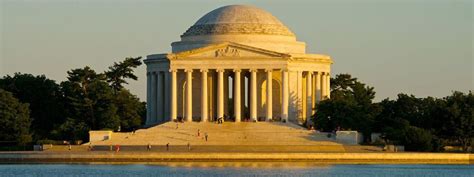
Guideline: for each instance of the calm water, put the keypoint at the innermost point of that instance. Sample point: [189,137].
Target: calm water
[233,169]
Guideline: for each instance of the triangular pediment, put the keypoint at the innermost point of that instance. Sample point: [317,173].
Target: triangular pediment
[229,49]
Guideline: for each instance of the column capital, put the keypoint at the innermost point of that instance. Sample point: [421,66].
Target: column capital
[220,70]
[172,70]
[237,70]
[253,70]
[204,70]
[284,70]
[269,70]
[188,70]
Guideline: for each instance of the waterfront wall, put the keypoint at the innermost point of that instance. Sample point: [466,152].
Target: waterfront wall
[358,158]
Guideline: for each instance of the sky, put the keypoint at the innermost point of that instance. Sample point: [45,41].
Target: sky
[419,47]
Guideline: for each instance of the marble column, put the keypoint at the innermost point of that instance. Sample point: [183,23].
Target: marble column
[253,95]
[153,98]
[269,95]
[204,111]
[318,86]
[300,106]
[309,90]
[323,86]
[220,93]
[313,93]
[328,85]
[167,96]
[237,95]
[284,104]
[189,95]
[148,98]
[159,97]
[174,95]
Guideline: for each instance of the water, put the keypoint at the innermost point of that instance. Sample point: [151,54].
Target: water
[232,169]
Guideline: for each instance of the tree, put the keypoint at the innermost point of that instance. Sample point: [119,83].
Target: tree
[458,116]
[90,101]
[349,108]
[417,139]
[14,119]
[44,98]
[71,129]
[129,109]
[117,73]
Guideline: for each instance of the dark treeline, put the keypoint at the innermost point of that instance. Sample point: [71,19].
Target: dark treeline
[420,124]
[35,108]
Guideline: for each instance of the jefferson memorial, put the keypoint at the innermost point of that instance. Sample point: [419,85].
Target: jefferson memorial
[239,63]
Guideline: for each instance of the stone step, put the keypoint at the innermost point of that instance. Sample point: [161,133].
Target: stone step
[225,148]
[245,133]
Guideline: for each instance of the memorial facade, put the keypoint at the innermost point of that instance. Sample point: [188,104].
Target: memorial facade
[239,63]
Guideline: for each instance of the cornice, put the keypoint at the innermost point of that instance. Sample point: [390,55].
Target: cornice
[238,28]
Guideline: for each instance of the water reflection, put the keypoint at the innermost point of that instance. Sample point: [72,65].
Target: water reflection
[233,164]
[220,169]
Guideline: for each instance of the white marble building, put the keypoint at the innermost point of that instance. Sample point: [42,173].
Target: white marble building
[238,62]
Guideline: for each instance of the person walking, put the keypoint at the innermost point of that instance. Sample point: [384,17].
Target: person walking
[149,147]
[189,147]
[70,147]
[167,146]
[199,133]
[205,136]
[117,148]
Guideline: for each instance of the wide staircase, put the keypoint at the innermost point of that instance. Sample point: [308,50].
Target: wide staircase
[228,137]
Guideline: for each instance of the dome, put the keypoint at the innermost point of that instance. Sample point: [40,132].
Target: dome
[243,24]
[238,19]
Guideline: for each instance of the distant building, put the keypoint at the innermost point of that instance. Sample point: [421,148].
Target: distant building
[240,63]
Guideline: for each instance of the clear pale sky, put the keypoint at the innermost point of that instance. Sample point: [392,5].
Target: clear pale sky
[420,47]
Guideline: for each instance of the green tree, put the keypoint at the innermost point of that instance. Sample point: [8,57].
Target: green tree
[349,108]
[90,101]
[129,109]
[117,73]
[14,119]
[44,98]
[407,121]
[417,139]
[71,129]
[458,124]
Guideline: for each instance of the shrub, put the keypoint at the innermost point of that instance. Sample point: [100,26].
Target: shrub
[418,139]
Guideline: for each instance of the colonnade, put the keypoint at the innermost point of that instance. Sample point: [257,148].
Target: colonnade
[163,104]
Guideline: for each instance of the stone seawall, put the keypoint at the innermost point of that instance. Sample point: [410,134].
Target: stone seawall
[349,158]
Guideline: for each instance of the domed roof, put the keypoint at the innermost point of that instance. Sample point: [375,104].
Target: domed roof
[238,19]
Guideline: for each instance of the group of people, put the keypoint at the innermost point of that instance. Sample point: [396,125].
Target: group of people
[220,120]
[199,134]
[149,146]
